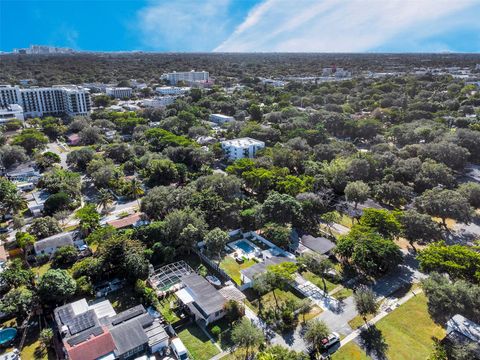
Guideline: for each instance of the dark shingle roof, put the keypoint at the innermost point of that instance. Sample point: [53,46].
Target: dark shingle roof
[55,241]
[261,267]
[128,336]
[320,245]
[206,297]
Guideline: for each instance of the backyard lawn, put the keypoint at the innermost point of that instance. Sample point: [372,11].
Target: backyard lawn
[409,330]
[42,269]
[232,268]
[197,343]
[350,351]
[165,309]
[268,300]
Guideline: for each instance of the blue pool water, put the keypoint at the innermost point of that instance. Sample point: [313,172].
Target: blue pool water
[245,246]
[7,335]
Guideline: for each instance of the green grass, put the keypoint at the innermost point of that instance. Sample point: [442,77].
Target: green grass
[409,331]
[350,351]
[197,343]
[167,311]
[32,348]
[232,268]
[343,293]
[314,312]
[268,300]
[317,280]
[344,220]
[42,269]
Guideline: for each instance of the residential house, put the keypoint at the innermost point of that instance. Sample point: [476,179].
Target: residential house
[461,330]
[24,173]
[204,302]
[247,276]
[133,220]
[95,331]
[36,202]
[51,244]
[320,245]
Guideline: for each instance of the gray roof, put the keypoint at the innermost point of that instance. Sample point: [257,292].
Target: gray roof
[261,267]
[55,241]
[156,333]
[128,336]
[465,327]
[320,245]
[206,297]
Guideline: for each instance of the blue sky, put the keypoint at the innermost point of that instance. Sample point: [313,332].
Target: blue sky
[243,25]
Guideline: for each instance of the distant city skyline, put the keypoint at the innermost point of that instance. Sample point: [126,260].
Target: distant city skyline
[243,25]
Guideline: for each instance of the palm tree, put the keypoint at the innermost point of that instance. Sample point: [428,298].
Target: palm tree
[14,202]
[105,199]
[135,189]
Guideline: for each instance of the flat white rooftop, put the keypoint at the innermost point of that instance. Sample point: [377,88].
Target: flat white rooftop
[242,142]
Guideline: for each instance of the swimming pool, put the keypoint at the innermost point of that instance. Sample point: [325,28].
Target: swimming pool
[245,246]
[7,335]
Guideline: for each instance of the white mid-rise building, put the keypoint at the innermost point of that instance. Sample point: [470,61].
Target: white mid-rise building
[119,92]
[159,102]
[187,76]
[43,101]
[220,118]
[11,112]
[172,90]
[241,148]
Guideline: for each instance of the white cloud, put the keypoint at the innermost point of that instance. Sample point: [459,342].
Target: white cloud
[183,25]
[344,26]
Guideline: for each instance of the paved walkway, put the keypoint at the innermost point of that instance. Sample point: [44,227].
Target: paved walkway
[314,293]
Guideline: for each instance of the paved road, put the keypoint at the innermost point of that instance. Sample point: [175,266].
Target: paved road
[55,148]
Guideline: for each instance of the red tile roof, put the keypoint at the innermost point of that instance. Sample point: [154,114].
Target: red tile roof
[93,348]
[126,221]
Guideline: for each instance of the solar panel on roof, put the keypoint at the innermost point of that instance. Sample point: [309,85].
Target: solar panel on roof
[65,314]
[75,340]
[82,322]
[128,314]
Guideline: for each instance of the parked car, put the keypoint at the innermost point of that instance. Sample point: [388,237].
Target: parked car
[330,340]
[179,349]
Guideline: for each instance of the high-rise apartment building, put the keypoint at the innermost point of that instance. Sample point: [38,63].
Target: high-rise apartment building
[42,101]
[188,76]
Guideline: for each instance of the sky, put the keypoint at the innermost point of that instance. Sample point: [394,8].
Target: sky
[243,25]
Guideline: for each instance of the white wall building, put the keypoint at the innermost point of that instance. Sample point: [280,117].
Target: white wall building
[242,147]
[172,90]
[11,112]
[187,76]
[119,92]
[43,101]
[220,119]
[159,102]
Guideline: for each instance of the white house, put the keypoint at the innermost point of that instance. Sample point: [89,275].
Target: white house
[51,244]
[119,92]
[220,119]
[205,302]
[241,147]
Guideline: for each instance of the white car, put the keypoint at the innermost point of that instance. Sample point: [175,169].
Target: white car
[330,340]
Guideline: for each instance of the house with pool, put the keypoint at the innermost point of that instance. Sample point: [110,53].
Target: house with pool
[247,250]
